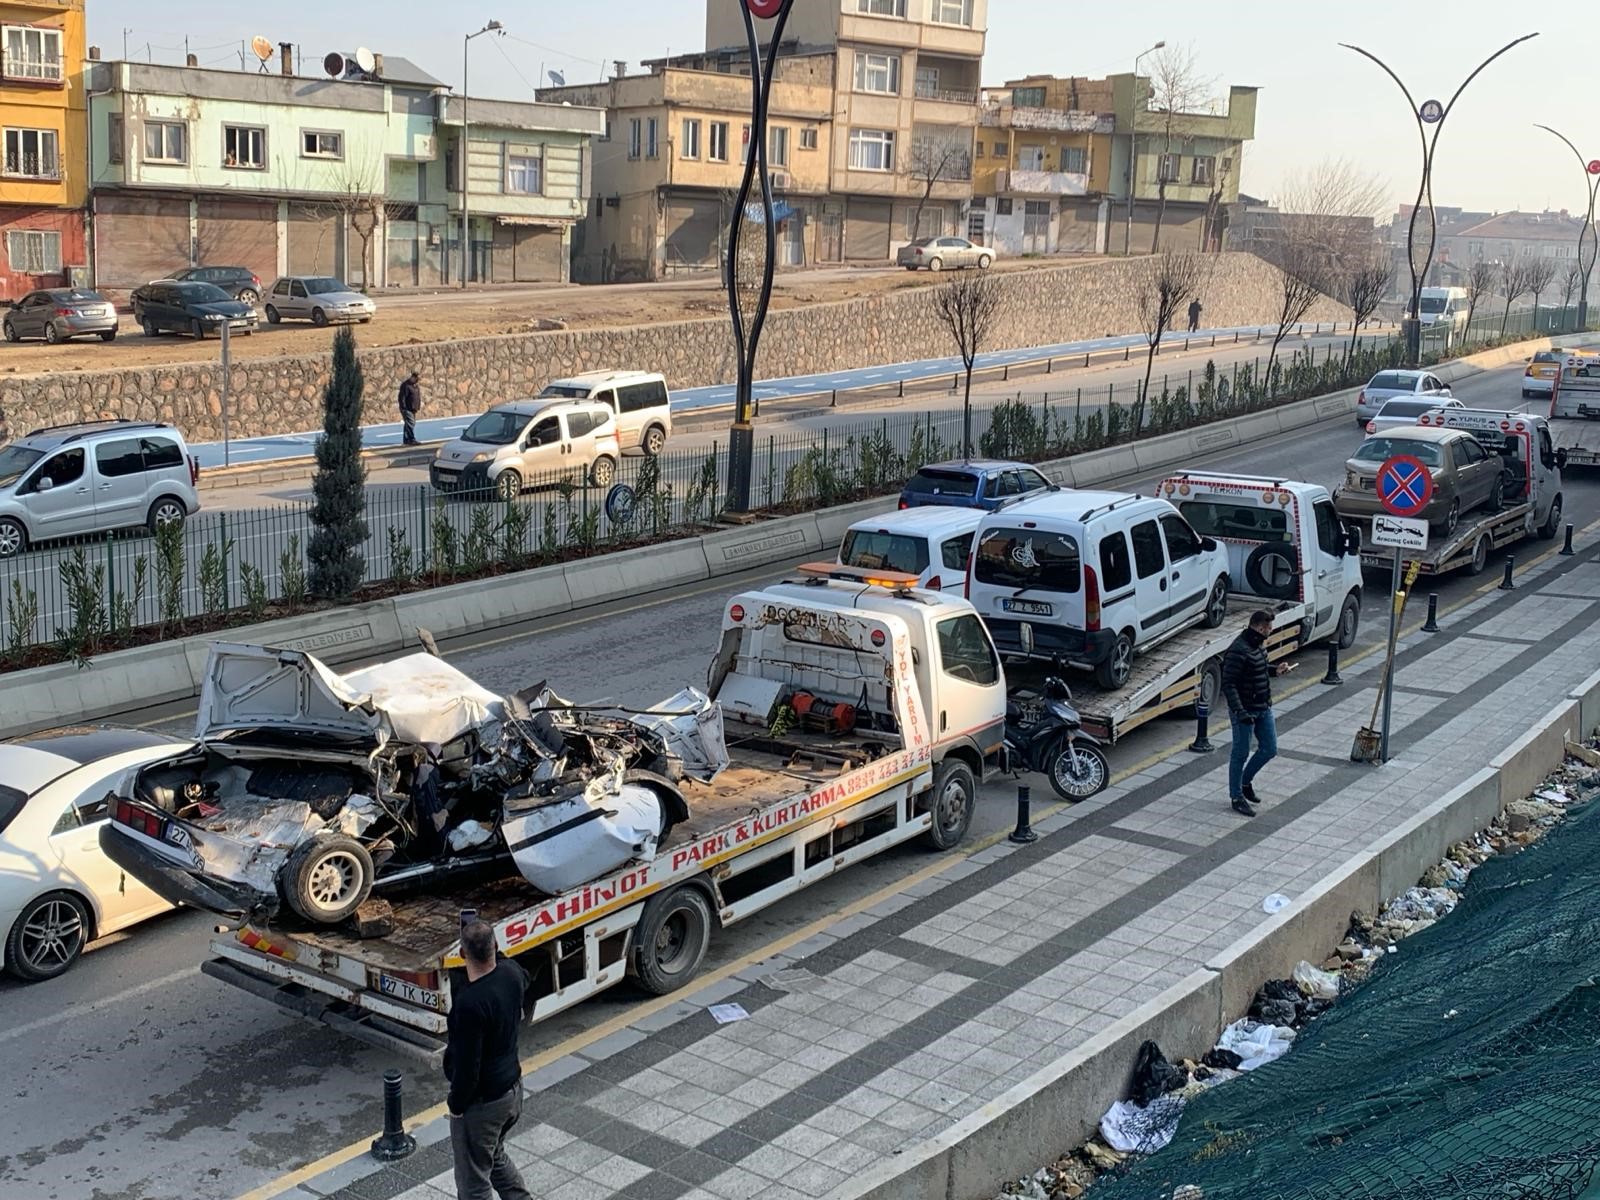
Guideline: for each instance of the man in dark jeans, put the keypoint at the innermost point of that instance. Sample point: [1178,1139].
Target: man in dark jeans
[1194,314]
[480,1061]
[410,405]
[1247,683]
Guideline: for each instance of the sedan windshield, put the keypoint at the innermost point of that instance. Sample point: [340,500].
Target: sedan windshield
[1391,382]
[201,293]
[323,286]
[1433,304]
[496,428]
[14,460]
[1376,449]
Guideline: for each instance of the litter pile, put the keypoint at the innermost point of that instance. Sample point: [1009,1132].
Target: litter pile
[1376,1089]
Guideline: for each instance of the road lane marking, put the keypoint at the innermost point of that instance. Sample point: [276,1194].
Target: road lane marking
[79,1010]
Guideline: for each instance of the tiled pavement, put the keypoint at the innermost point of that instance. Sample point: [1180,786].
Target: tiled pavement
[899,1022]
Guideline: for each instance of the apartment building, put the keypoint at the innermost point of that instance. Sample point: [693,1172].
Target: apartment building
[42,173]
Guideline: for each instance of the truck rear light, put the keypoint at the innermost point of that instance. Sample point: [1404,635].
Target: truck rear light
[904,504]
[737,612]
[935,584]
[1091,601]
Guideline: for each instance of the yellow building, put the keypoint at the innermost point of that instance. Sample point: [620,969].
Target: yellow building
[43,176]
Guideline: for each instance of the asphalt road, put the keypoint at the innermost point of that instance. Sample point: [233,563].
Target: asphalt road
[136,1078]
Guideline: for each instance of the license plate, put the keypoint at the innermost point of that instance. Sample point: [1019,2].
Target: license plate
[1030,608]
[179,836]
[401,989]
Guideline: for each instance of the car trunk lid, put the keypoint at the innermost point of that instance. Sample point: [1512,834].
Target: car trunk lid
[256,688]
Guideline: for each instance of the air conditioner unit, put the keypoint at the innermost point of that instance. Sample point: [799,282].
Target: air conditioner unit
[780,180]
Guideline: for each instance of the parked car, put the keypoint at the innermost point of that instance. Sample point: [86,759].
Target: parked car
[57,314]
[193,308]
[1540,377]
[639,398]
[69,480]
[529,441]
[318,299]
[943,254]
[58,890]
[1396,414]
[1465,476]
[932,543]
[1094,578]
[1387,385]
[239,282]
[976,483]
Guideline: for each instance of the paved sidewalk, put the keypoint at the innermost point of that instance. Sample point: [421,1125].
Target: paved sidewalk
[901,1021]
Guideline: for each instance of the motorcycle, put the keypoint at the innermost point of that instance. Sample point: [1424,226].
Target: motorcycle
[1045,734]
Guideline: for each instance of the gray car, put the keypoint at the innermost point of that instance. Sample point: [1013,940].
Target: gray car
[319,299]
[1397,414]
[1387,385]
[944,254]
[57,314]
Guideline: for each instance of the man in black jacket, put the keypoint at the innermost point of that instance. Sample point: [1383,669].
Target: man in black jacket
[1247,683]
[410,405]
[480,1061]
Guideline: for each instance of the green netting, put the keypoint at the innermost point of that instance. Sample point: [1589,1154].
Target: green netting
[1466,1068]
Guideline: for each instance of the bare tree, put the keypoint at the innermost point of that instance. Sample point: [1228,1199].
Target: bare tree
[1163,284]
[1364,287]
[969,306]
[1514,282]
[1177,88]
[1541,274]
[1305,272]
[1570,280]
[934,160]
[1480,283]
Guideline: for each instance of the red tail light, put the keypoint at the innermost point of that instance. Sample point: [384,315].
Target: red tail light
[935,584]
[905,504]
[255,279]
[1372,427]
[194,470]
[1091,601]
[126,813]
[1361,396]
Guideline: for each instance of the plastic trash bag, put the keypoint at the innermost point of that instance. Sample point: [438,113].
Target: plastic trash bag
[469,834]
[1315,982]
[1255,1044]
[1154,1076]
[1276,902]
[1221,1060]
[1134,1130]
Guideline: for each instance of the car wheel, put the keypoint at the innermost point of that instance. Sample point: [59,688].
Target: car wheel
[1114,672]
[318,317]
[508,485]
[603,473]
[1552,523]
[198,330]
[328,878]
[149,327]
[1217,603]
[13,537]
[1349,621]
[1452,518]
[1208,689]
[11,332]
[1497,494]
[655,440]
[52,334]
[936,264]
[165,511]
[272,315]
[1480,556]
[671,940]
[48,937]
[985,262]
[955,793]
[108,335]
[366,320]
[249,296]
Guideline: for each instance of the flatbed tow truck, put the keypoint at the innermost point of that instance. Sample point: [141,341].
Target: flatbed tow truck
[1575,409]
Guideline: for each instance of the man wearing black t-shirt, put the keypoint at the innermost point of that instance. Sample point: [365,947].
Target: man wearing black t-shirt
[480,1061]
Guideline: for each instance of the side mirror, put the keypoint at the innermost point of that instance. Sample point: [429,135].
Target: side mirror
[1208,544]
[1561,460]
[1352,540]
[45,484]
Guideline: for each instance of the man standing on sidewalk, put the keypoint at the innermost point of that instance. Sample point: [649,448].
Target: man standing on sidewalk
[410,406]
[480,1061]
[1247,683]
[1194,314]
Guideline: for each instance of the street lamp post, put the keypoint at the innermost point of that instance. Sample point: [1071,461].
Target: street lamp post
[1587,238]
[742,436]
[466,228]
[1429,112]
[1133,145]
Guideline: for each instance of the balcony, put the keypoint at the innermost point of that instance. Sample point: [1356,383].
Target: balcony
[1042,183]
[36,71]
[1008,116]
[928,91]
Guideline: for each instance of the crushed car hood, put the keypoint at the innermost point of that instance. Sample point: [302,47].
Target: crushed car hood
[424,699]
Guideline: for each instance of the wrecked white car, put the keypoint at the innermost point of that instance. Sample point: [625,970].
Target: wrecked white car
[313,789]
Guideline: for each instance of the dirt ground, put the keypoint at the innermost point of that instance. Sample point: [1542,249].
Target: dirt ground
[412,317]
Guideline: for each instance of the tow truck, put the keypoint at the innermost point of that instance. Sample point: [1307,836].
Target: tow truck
[1575,410]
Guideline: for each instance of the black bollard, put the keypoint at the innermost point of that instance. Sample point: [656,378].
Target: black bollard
[395,1143]
[1023,833]
[1431,625]
[1511,565]
[1332,678]
[1566,546]
[1202,735]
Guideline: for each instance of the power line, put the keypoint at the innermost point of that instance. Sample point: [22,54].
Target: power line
[559,53]
[532,89]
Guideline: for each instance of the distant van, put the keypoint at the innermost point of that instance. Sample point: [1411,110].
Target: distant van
[1444,306]
[639,399]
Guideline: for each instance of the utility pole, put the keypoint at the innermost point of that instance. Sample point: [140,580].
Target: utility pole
[1133,147]
[464,155]
[1587,240]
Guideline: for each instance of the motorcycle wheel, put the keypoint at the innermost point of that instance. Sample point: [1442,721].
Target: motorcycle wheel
[1079,770]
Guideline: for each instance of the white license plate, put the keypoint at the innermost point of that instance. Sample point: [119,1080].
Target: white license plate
[401,989]
[179,836]
[1030,608]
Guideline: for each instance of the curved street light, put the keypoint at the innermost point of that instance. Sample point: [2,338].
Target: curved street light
[1133,146]
[1429,112]
[466,202]
[1587,238]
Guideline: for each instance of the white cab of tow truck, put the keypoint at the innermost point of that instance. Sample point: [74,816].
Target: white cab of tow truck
[1575,409]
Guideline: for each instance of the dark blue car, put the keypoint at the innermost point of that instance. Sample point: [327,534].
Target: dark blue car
[978,483]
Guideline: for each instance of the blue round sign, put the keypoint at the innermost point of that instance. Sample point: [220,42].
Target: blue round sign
[620,504]
[1431,111]
[1404,485]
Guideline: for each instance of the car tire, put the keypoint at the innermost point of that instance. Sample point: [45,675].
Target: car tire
[1092,774]
[671,940]
[1480,555]
[249,296]
[1255,572]
[366,320]
[149,327]
[1217,604]
[1349,621]
[936,264]
[168,510]
[508,485]
[10,332]
[654,441]
[911,268]
[985,262]
[197,330]
[108,335]
[13,537]
[328,878]
[1118,666]
[951,804]
[272,315]
[603,471]
[52,334]
[1497,494]
[319,318]
[47,937]
[1452,518]
[1552,523]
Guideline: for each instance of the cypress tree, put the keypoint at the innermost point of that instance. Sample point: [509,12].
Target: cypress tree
[336,552]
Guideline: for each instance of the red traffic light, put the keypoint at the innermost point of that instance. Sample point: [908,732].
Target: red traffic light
[764,8]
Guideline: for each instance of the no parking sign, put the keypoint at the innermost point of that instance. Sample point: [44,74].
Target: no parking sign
[1404,485]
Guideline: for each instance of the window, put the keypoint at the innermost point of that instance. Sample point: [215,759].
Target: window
[975,226]
[778,146]
[64,468]
[34,251]
[1181,540]
[955,552]
[872,149]
[927,80]
[950,12]
[1074,160]
[980,149]
[580,423]
[1467,452]
[1236,520]
[116,459]
[878,550]
[1167,168]
[636,397]
[934,481]
[652,137]
[32,154]
[635,137]
[689,147]
[1116,568]
[165,141]
[882,8]
[717,148]
[808,138]
[1002,206]
[1028,558]
[297,289]
[1028,97]
[965,651]
[878,73]
[33,53]
[321,143]
[114,136]
[159,453]
[1029,158]
[244,147]
[1330,537]
[1203,170]
[1148,555]
[546,432]
[525,174]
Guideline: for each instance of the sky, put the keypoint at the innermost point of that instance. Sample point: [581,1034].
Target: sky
[1318,102]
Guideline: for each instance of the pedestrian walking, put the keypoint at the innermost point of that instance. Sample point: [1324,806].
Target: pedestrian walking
[410,406]
[1194,314]
[1247,683]
[480,1061]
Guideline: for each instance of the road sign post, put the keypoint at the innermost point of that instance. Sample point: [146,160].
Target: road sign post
[1404,487]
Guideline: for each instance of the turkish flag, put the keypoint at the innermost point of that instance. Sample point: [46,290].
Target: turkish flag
[764,8]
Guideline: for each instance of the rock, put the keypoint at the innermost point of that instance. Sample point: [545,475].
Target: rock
[1101,1156]
[1583,754]
[1435,876]
[1348,950]
[374,918]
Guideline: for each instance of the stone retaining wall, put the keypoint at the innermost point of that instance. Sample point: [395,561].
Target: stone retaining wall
[1074,302]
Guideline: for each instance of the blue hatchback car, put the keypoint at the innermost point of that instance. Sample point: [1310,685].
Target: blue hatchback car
[977,483]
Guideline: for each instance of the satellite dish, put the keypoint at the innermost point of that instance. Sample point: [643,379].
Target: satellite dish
[364,59]
[261,47]
[557,78]
[333,63]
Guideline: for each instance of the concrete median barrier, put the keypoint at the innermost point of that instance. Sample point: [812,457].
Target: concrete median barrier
[634,572]
[480,604]
[730,550]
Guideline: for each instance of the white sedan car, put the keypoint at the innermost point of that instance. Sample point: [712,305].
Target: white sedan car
[58,890]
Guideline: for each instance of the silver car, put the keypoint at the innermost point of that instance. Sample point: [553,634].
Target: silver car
[944,254]
[1387,385]
[57,314]
[1395,413]
[319,299]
